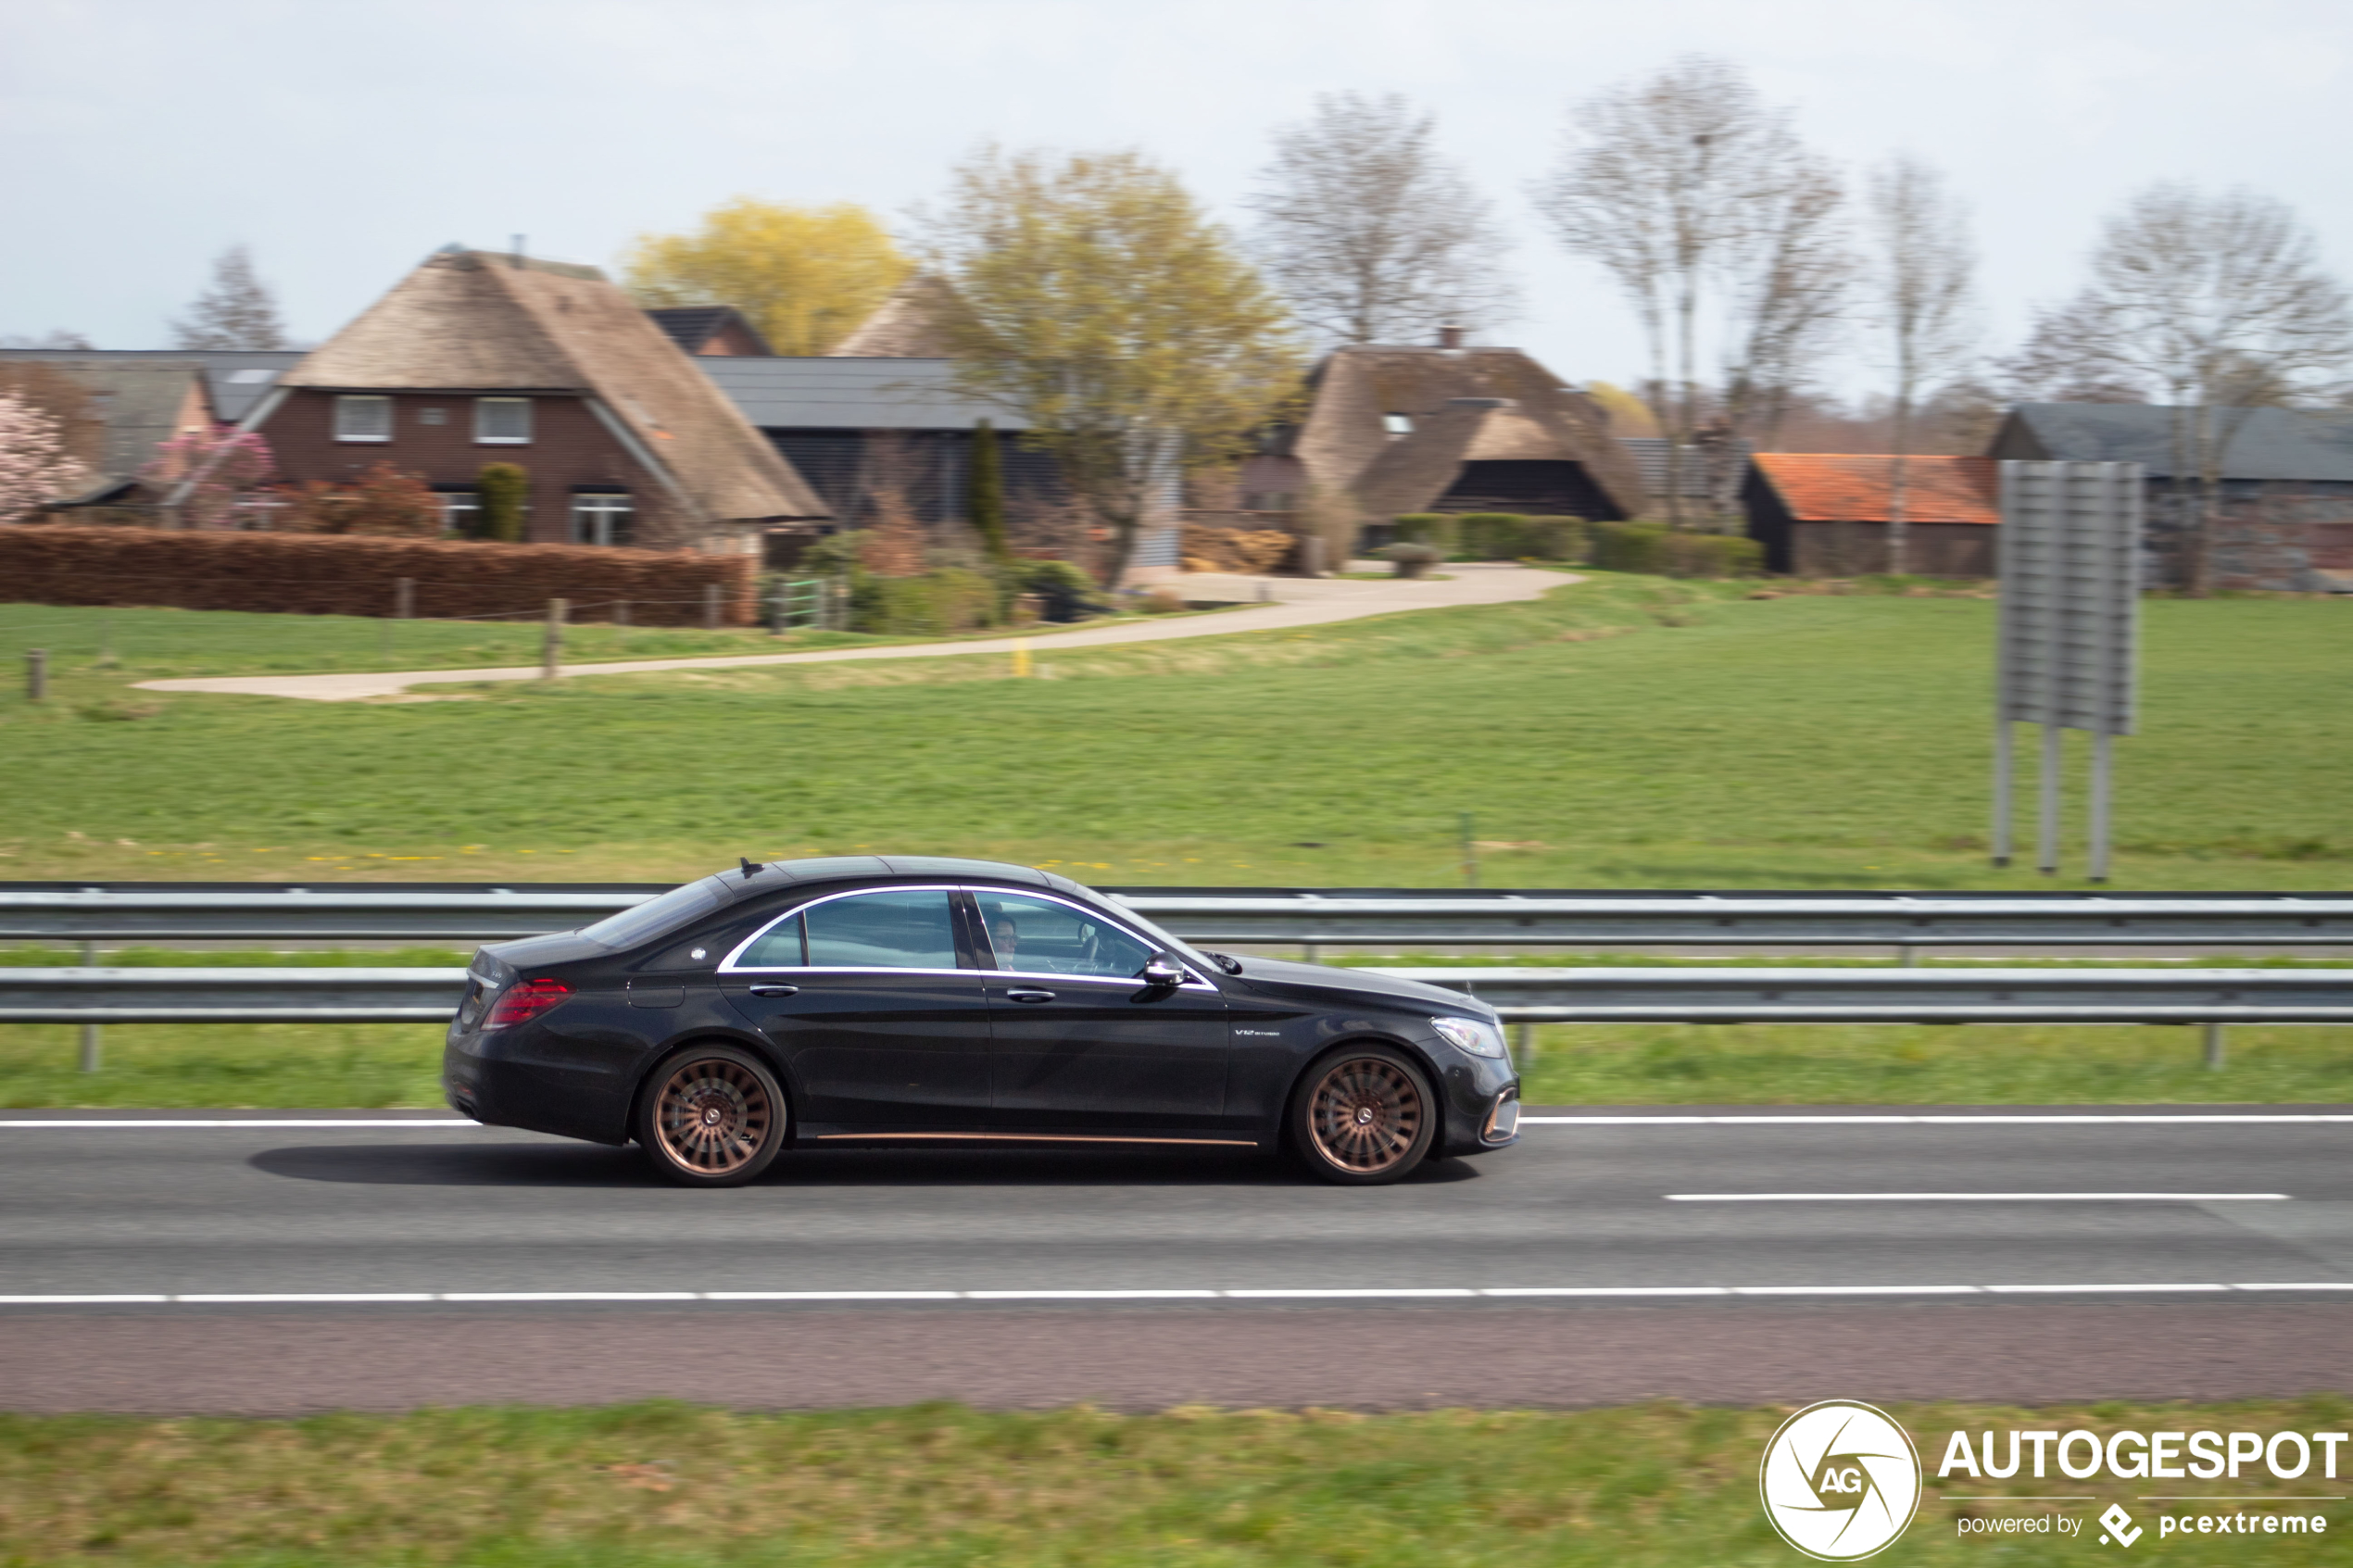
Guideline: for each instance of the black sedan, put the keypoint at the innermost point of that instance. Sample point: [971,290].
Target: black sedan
[870,999]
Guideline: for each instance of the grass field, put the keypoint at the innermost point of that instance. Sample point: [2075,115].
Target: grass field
[939,1485]
[1624,732]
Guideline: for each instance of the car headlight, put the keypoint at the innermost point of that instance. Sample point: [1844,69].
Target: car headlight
[1473,1035]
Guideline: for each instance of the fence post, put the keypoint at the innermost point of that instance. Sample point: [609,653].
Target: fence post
[552,661]
[89,1031]
[621,612]
[711,606]
[36,674]
[404,598]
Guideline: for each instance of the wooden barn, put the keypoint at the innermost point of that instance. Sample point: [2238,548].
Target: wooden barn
[1826,514]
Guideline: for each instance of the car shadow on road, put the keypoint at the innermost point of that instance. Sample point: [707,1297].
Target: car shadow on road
[598,1165]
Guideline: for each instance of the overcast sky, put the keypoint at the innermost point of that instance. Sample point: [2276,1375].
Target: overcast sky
[344,139]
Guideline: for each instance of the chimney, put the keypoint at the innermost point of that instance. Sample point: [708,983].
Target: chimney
[1450,336]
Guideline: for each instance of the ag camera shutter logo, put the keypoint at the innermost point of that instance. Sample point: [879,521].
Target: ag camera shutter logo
[1840,1481]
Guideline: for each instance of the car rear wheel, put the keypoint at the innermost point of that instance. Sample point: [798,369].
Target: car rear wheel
[1363,1115]
[712,1116]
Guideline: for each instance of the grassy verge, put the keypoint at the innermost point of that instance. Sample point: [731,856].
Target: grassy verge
[1622,731]
[942,1485]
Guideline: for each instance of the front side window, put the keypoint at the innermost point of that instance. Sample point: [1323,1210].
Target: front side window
[502,421]
[363,419]
[603,518]
[1042,937]
[910,929]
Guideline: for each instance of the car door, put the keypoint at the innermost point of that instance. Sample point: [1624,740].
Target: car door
[1078,1044]
[876,1007]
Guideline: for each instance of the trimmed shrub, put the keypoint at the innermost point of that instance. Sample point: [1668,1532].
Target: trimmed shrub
[1067,593]
[1494,535]
[1437,530]
[985,491]
[1411,560]
[949,600]
[1646,547]
[383,501]
[346,574]
[500,490]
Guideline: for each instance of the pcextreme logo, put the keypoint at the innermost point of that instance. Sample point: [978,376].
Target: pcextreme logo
[1840,1480]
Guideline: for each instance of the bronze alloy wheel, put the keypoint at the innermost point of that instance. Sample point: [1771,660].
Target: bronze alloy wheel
[714,1117]
[1367,1117]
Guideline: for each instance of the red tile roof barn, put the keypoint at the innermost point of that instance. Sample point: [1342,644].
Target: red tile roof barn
[1836,487]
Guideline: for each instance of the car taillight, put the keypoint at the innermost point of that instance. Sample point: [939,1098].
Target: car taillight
[522,1003]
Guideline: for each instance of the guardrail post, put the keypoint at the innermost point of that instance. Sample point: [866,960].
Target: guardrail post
[551,659]
[2214,1047]
[36,674]
[90,1031]
[1527,1042]
[711,606]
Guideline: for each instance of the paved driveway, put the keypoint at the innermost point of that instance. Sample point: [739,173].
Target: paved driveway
[1294,602]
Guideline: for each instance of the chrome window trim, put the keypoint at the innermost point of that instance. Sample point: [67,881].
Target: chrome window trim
[1195,982]
[728,965]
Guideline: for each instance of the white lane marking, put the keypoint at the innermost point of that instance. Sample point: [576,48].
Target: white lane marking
[258,1121]
[1500,1292]
[1976,1197]
[2061,1118]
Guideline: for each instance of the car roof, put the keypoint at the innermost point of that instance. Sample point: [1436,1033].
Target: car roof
[777,874]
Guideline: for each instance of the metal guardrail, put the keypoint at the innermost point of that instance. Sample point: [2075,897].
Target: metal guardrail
[1336,917]
[1662,995]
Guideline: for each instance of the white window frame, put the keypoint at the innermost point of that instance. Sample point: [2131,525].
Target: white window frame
[483,406]
[457,507]
[1396,425]
[599,519]
[352,403]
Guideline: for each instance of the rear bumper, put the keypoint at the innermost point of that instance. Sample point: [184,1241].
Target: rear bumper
[491,1079]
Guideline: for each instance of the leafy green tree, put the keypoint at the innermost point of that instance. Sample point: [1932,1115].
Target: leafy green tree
[805,276]
[1097,302]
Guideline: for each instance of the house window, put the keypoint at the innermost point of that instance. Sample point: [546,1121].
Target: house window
[602,517]
[460,509]
[502,421]
[363,419]
[1398,424]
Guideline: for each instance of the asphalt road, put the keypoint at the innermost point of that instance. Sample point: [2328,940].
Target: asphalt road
[2020,1257]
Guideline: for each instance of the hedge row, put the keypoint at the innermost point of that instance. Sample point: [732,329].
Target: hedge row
[1494,536]
[316,574]
[1647,548]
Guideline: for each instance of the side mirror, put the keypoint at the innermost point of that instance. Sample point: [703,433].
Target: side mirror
[1159,970]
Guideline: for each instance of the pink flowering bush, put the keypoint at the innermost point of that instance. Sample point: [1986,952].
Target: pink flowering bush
[227,464]
[34,466]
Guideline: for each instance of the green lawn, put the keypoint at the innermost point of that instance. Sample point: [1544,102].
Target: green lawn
[940,1485]
[1625,732]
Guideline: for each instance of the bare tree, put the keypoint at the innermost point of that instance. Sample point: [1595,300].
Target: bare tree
[1790,304]
[1370,233]
[1664,184]
[2215,305]
[237,311]
[1922,276]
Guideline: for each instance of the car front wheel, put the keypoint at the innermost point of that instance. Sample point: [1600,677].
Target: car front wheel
[1364,1115]
[711,1116]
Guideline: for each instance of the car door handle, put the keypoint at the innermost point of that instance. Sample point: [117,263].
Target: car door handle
[773,990]
[1026,996]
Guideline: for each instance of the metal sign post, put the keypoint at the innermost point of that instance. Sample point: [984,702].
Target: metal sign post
[2070,551]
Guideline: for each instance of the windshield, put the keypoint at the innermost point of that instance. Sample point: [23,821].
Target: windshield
[663,912]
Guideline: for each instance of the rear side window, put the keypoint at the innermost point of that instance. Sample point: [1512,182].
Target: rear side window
[657,916]
[779,946]
[911,929]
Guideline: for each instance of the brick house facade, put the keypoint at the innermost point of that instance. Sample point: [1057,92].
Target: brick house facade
[476,359]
